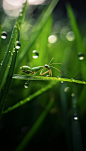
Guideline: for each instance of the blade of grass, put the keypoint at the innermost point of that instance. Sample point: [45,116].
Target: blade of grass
[37,28]
[58,79]
[22,102]
[79,41]
[80,45]
[76,130]
[5,90]
[65,117]
[9,52]
[35,127]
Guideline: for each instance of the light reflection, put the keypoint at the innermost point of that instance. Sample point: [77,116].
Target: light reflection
[36,2]
[70,36]
[66,89]
[12,7]
[52,39]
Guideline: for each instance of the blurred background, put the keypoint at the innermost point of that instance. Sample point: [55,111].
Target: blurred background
[64,125]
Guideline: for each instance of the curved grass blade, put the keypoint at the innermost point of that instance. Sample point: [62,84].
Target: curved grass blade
[6,87]
[58,79]
[22,102]
[75,124]
[35,127]
[79,41]
[66,122]
[37,28]
[9,52]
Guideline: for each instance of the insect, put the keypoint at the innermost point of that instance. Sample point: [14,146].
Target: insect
[34,70]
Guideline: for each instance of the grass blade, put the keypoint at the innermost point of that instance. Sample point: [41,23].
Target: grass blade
[37,28]
[58,79]
[9,59]
[22,102]
[5,90]
[35,127]
[9,52]
[79,42]
[75,124]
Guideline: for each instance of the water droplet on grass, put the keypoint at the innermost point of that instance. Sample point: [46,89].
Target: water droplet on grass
[4,35]
[75,117]
[66,89]
[18,45]
[72,94]
[72,79]
[20,14]
[26,85]
[35,54]
[80,56]
[70,36]
[47,75]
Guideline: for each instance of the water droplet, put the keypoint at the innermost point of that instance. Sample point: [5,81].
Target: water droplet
[14,50]
[20,14]
[66,89]
[52,39]
[84,82]
[26,85]
[1,63]
[72,79]
[58,77]
[70,36]
[3,35]
[61,81]
[72,94]
[80,56]
[18,45]
[35,54]
[47,75]
[75,117]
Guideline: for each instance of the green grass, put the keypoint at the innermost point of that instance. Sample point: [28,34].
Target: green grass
[51,101]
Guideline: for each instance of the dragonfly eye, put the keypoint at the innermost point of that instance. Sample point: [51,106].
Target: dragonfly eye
[46,66]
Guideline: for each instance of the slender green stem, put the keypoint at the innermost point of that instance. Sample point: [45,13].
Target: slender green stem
[58,79]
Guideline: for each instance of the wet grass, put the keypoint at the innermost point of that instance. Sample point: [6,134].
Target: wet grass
[52,101]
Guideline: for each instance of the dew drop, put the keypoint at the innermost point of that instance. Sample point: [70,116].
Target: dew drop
[4,35]
[72,94]
[58,77]
[70,36]
[47,75]
[18,45]
[20,14]
[72,79]
[75,117]
[66,89]
[61,81]
[80,56]
[26,85]
[35,54]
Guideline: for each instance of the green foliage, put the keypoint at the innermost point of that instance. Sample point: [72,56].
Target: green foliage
[66,88]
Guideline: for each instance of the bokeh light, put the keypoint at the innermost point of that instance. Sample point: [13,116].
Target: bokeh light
[36,2]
